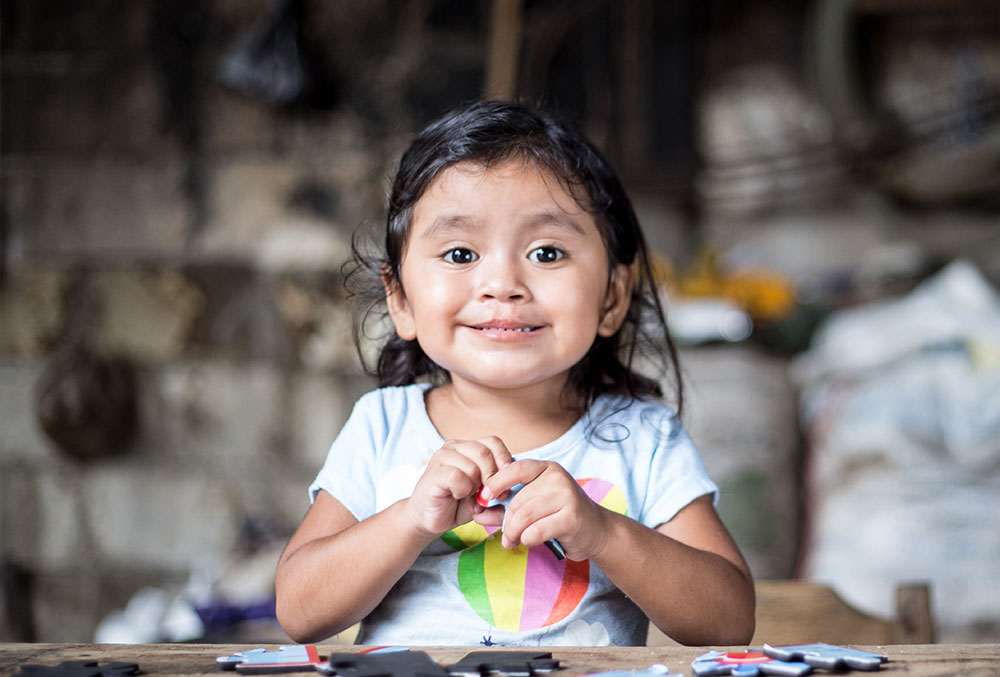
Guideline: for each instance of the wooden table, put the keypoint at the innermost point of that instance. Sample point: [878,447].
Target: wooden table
[199,659]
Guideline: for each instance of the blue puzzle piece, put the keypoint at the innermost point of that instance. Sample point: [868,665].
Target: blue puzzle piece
[290,658]
[745,664]
[553,545]
[827,656]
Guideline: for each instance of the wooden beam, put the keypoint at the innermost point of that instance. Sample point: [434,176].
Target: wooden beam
[503,51]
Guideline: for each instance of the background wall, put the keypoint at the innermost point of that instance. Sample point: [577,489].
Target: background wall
[175,354]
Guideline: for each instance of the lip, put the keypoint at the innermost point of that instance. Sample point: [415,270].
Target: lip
[504,329]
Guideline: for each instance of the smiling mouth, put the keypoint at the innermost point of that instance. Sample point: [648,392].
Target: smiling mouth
[519,330]
[504,328]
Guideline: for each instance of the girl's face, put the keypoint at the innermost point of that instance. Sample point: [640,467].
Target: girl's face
[505,281]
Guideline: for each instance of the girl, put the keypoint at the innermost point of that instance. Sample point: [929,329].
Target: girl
[517,281]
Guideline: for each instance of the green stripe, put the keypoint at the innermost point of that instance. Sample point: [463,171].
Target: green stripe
[472,581]
[453,540]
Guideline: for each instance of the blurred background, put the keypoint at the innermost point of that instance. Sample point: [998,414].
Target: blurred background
[180,183]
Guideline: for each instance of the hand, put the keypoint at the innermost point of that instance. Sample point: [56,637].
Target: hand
[552,505]
[444,495]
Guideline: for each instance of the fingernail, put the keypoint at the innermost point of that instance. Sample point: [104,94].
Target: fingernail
[485,493]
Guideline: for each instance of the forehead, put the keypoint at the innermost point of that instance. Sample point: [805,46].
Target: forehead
[472,191]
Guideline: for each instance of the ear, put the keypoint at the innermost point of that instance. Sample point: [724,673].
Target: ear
[617,301]
[399,308]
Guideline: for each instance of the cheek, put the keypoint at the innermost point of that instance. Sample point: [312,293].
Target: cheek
[431,295]
[581,304]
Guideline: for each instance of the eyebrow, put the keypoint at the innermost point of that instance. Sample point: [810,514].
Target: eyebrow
[450,223]
[557,218]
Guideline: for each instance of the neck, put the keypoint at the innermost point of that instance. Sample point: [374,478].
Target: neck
[523,418]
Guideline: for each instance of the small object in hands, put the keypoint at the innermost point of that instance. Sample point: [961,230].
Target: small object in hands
[745,664]
[513,663]
[827,656]
[81,669]
[551,544]
[289,658]
[383,662]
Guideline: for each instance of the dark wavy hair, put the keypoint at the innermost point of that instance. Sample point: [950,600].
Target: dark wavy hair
[488,133]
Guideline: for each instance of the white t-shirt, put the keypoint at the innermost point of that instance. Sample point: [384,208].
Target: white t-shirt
[633,457]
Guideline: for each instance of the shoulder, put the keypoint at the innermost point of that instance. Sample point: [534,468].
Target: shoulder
[383,408]
[638,415]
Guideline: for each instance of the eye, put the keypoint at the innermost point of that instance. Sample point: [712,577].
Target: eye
[547,254]
[459,255]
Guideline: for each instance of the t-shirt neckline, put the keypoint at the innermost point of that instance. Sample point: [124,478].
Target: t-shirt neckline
[549,450]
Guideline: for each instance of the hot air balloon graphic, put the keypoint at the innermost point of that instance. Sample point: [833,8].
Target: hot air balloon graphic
[524,588]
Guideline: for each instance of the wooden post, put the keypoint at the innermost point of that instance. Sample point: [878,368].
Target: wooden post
[913,623]
[503,51]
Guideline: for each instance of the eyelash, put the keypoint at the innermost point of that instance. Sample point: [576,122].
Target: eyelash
[547,249]
[469,256]
[449,255]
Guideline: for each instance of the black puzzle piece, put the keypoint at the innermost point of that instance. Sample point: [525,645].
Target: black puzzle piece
[81,669]
[518,663]
[398,664]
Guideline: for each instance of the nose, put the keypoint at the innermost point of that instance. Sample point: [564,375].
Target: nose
[501,279]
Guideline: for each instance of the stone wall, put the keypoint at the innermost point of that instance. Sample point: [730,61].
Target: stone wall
[153,214]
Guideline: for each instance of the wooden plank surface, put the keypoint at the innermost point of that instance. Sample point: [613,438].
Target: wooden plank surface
[199,659]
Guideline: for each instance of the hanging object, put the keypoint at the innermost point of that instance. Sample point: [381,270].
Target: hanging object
[87,403]
[270,61]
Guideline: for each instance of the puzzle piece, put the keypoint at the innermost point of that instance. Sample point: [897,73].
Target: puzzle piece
[827,656]
[289,658]
[382,662]
[551,544]
[656,670]
[81,669]
[515,663]
[745,664]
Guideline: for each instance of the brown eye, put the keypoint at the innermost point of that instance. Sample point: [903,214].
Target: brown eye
[546,254]
[460,256]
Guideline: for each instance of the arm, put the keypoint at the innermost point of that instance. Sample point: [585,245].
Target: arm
[687,575]
[703,592]
[335,569]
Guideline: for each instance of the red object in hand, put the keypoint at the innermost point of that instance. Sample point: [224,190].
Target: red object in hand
[479,497]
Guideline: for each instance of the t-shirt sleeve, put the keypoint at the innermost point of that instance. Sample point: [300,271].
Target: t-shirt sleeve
[677,474]
[348,472]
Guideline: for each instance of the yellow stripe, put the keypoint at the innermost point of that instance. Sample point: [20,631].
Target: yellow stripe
[504,571]
[615,501]
[470,533]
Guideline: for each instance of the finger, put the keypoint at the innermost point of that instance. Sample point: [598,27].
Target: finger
[490,517]
[542,530]
[455,473]
[531,521]
[518,472]
[486,456]
[501,455]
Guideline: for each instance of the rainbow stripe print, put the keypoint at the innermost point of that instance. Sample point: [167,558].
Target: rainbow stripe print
[525,588]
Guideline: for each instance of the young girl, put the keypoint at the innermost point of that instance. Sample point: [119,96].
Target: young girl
[518,284]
